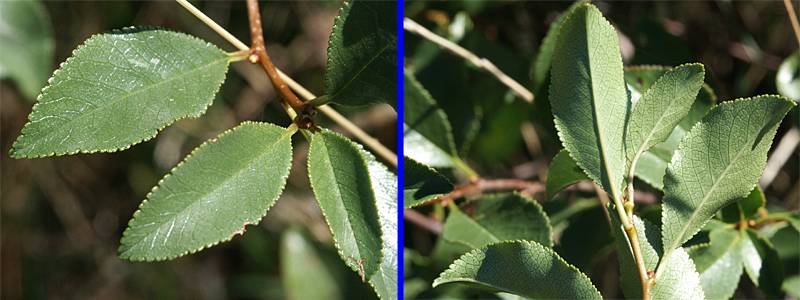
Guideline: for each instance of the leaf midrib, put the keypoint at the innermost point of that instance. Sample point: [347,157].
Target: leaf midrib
[221,183]
[59,129]
[361,70]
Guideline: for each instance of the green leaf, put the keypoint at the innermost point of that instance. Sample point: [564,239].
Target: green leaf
[792,286]
[540,70]
[422,183]
[562,173]
[719,263]
[719,160]
[650,244]
[222,186]
[788,78]
[678,278]
[523,268]
[301,264]
[661,108]
[27,45]
[341,182]
[427,135]
[119,89]
[588,96]
[652,164]
[761,262]
[498,217]
[744,208]
[362,54]
[384,185]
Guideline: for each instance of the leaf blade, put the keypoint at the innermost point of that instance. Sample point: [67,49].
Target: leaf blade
[119,89]
[562,173]
[679,280]
[340,180]
[26,32]
[688,202]
[427,134]
[587,83]
[531,262]
[361,54]
[246,165]
[422,183]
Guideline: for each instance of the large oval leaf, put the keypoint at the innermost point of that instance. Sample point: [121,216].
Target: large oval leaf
[27,45]
[222,186]
[523,268]
[427,134]
[498,217]
[341,182]
[119,89]
[719,161]
[678,279]
[362,54]
[588,96]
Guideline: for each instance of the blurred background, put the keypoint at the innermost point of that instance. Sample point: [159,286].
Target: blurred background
[62,217]
[741,43]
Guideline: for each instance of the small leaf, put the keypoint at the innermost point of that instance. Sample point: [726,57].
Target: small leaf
[384,184]
[495,218]
[719,160]
[222,186]
[362,54]
[678,279]
[27,45]
[788,78]
[562,173]
[652,164]
[119,89]
[540,70]
[522,268]
[427,135]
[341,182]
[661,108]
[761,262]
[300,265]
[719,263]
[650,244]
[588,96]
[422,183]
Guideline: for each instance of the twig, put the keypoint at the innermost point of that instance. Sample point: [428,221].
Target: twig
[362,136]
[793,17]
[480,185]
[422,221]
[258,54]
[483,63]
[782,153]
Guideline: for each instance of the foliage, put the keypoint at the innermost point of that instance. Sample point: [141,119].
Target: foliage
[120,88]
[632,131]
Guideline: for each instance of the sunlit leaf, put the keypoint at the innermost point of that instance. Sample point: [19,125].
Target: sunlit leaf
[718,161]
[522,268]
[562,173]
[677,279]
[761,262]
[27,45]
[650,244]
[788,78]
[719,263]
[427,135]
[119,89]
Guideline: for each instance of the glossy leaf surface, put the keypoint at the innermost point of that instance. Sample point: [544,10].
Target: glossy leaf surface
[119,89]
[362,54]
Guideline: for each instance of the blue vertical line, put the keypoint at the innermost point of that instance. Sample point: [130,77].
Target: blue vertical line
[400,150]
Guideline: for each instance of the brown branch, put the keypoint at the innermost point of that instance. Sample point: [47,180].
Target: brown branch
[258,55]
[793,19]
[481,185]
[422,221]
